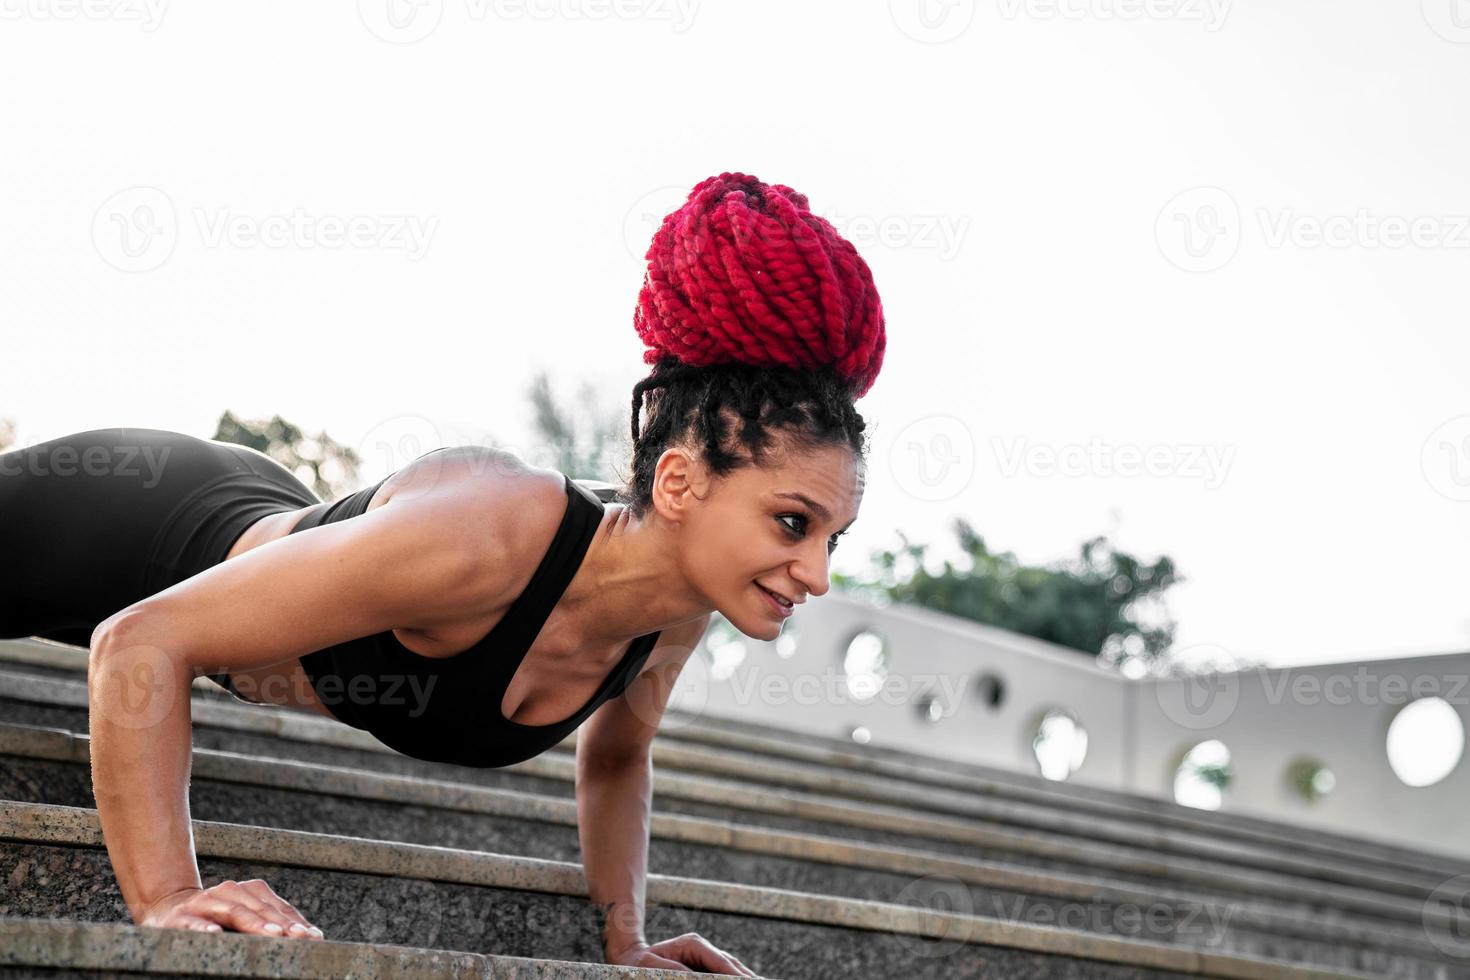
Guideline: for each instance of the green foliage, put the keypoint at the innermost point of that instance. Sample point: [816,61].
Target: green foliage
[592,454]
[1090,604]
[1217,774]
[325,465]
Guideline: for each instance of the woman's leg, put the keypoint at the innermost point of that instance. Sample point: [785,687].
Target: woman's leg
[93,522]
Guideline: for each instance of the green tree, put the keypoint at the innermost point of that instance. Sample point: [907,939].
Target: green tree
[590,448]
[1093,604]
[329,468]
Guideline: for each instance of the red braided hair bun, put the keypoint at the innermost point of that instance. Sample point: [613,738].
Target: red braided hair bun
[743,271]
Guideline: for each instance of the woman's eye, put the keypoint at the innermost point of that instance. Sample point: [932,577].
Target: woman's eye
[796,531]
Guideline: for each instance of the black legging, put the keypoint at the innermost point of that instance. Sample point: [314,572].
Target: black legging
[92,522]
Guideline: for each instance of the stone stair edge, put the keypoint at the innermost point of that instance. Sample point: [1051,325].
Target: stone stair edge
[287,723]
[61,745]
[939,771]
[67,943]
[80,827]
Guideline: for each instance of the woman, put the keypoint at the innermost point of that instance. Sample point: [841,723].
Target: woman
[468,608]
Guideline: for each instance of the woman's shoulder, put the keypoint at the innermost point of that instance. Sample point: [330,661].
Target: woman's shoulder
[492,494]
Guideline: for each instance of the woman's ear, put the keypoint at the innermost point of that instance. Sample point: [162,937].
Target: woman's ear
[678,484]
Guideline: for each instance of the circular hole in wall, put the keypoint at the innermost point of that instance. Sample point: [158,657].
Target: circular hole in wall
[1203,775]
[1310,780]
[1059,744]
[1425,741]
[866,665]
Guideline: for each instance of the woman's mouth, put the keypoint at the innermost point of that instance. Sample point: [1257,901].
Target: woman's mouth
[780,606]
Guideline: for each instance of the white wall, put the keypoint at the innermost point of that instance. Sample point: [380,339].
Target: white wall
[1137,730]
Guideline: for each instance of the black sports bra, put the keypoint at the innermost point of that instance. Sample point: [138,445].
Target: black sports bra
[447,709]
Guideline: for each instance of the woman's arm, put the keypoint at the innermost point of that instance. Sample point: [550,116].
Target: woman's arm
[614,806]
[399,566]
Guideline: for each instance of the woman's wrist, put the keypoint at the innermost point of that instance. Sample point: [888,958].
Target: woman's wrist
[621,925]
[148,905]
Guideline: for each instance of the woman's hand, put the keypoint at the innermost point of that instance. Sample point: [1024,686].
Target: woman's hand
[681,953]
[241,906]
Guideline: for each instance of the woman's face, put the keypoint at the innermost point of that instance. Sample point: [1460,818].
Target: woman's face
[771,527]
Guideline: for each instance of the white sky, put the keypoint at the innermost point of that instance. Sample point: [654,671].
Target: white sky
[1025,172]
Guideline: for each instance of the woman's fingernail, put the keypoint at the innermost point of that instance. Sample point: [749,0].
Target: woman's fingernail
[297,927]
[316,932]
[273,927]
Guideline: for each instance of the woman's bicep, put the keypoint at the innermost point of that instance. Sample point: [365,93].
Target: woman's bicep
[391,568]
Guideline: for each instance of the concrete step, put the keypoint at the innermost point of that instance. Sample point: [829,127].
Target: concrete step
[372,891]
[1075,796]
[282,733]
[52,766]
[1043,809]
[59,948]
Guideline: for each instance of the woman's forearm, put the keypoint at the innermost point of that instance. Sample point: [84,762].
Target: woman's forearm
[141,745]
[613,812]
